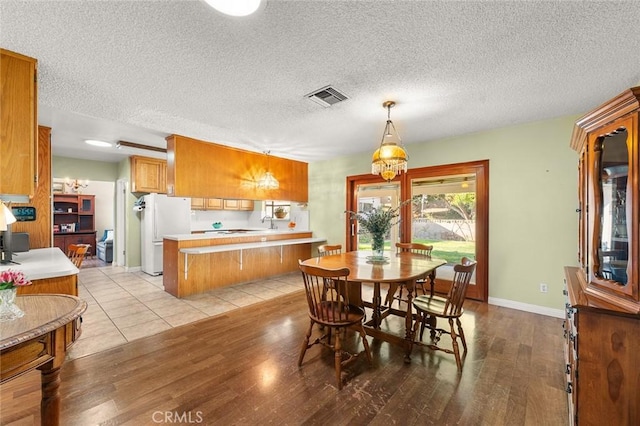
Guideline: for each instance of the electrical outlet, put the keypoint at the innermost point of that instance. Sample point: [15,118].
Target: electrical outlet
[543,288]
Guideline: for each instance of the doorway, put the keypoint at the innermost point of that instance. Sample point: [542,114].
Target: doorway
[121,225]
[449,211]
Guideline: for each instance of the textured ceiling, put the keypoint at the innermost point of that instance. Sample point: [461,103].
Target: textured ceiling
[139,70]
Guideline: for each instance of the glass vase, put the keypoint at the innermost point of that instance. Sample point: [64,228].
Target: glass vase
[377,246]
[9,311]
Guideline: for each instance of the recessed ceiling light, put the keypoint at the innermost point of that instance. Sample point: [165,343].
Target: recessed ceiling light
[235,7]
[98,143]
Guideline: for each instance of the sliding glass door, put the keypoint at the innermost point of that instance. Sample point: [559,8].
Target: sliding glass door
[449,211]
[378,196]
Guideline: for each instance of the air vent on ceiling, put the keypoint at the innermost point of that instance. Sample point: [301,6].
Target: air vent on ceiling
[327,96]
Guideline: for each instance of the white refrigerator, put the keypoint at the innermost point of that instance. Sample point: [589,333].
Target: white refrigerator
[161,216]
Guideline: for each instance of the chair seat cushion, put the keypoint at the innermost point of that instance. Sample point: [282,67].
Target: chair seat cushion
[432,305]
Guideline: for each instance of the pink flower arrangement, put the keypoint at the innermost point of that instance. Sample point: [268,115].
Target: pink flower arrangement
[10,279]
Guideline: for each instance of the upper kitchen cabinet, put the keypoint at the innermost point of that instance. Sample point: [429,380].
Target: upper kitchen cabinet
[203,169]
[18,124]
[148,175]
[609,196]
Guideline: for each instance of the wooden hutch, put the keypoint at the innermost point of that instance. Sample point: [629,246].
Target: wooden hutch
[602,326]
[73,221]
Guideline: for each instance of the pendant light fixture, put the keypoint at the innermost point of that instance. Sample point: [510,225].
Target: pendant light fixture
[268,181]
[391,158]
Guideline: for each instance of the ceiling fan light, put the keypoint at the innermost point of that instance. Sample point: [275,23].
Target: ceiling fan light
[235,7]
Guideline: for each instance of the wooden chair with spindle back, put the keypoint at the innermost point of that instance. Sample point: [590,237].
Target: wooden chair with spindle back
[328,249]
[429,309]
[413,248]
[332,311]
[76,253]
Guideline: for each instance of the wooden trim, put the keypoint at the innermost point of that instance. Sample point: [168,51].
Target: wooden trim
[626,102]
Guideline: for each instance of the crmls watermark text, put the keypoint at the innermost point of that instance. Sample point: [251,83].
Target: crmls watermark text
[176,417]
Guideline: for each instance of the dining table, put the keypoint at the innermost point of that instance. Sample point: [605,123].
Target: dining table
[402,268]
[39,340]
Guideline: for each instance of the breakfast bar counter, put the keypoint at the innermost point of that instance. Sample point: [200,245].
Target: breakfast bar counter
[198,263]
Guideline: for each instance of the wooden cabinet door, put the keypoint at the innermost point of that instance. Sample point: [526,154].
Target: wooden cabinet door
[86,204]
[246,204]
[214,204]
[148,175]
[60,242]
[197,203]
[231,204]
[18,138]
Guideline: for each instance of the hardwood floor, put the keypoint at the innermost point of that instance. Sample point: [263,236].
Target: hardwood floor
[241,368]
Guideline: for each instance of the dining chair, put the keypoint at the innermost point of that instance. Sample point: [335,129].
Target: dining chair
[76,253]
[430,308]
[413,248]
[328,249]
[332,311]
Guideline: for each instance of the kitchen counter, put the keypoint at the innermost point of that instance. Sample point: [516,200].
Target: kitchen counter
[197,263]
[231,233]
[49,269]
[42,263]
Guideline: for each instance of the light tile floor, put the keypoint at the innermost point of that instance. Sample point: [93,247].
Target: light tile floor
[124,306]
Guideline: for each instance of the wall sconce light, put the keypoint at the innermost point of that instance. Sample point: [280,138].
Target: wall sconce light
[391,158]
[268,181]
[75,185]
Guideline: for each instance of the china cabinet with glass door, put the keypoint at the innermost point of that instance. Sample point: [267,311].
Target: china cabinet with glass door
[602,326]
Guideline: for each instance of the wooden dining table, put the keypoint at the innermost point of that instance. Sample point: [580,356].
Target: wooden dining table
[399,268]
[39,340]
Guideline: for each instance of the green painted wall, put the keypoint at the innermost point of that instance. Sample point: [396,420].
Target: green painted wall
[532,202]
[73,168]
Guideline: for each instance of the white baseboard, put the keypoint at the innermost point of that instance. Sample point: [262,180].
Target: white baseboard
[542,310]
[133,268]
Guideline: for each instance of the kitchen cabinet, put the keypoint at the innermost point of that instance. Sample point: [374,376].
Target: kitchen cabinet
[215,203]
[40,234]
[19,124]
[602,325]
[220,204]
[207,170]
[238,204]
[148,175]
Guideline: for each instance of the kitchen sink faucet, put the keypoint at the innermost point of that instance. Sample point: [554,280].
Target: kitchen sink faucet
[272,226]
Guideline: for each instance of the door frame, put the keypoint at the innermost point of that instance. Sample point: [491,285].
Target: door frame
[351,239]
[119,250]
[480,168]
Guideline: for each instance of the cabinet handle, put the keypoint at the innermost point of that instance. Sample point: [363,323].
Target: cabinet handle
[565,292]
[568,369]
[353,227]
[569,387]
